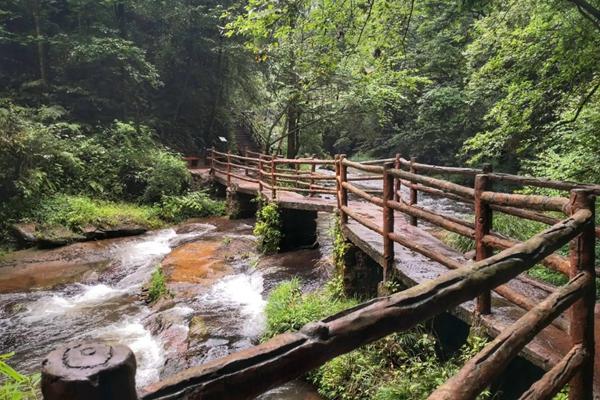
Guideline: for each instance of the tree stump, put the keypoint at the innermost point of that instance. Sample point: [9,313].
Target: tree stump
[89,371]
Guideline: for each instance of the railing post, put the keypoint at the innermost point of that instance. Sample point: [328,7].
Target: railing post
[582,258]
[483,226]
[89,371]
[414,198]
[343,191]
[228,167]
[313,170]
[388,220]
[212,160]
[260,174]
[398,182]
[273,179]
[246,163]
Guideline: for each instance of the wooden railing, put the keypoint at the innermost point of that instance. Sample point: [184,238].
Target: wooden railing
[245,374]
[273,173]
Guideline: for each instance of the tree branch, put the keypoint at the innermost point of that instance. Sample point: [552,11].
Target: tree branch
[588,8]
[408,20]
[589,17]
[579,108]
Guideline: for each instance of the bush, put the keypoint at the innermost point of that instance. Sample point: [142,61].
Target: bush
[268,228]
[16,386]
[191,205]
[168,175]
[42,155]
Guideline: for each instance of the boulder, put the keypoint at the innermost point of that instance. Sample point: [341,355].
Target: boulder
[25,234]
[47,237]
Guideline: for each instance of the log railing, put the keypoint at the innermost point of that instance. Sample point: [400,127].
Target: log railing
[245,374]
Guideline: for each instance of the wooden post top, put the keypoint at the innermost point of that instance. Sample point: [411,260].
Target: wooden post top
[89,371]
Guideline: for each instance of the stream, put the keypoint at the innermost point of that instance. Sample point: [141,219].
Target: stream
[91,291]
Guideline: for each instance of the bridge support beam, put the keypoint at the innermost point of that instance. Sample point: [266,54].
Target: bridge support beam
[299,228]
[240,205]
[361,274]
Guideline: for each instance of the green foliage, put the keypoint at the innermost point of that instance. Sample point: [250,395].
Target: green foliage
[530,96]
[157,287]
[16,386]
[77,212]
[268,228]
[191,205]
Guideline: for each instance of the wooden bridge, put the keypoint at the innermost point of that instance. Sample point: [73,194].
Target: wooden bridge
[524,316]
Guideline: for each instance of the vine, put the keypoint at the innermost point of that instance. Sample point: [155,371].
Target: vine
[340,244]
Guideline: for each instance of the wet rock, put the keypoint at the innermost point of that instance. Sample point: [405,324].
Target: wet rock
[95,233]
[171,327]
[48,237]
[56,236]
[196,262]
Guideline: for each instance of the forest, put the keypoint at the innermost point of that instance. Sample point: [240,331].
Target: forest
[102,100]
[97,98]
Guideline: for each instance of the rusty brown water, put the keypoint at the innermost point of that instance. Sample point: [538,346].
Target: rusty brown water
[90,291]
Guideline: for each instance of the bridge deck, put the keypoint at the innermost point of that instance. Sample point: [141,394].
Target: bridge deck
[545,350]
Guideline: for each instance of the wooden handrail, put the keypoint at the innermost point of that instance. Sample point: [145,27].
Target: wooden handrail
[435,183]
[490,362]
[555,379]
[543,203]
[544,182]
[362,167]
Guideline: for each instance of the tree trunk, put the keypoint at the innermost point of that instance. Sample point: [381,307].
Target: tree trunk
[119,9]
[41,48]
[293,117]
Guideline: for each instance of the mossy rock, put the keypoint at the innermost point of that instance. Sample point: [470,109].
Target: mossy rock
[198,329]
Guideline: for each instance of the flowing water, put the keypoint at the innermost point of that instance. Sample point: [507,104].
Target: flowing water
[91,291]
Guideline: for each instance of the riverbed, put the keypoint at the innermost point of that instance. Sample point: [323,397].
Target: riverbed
[92,291]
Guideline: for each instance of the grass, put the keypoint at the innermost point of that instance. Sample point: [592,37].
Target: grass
[157,287]
[398,367]
[288,309]
[76,212]
[16,386]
